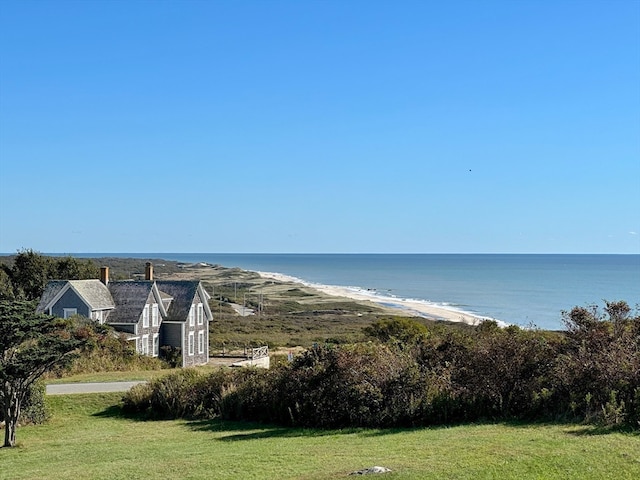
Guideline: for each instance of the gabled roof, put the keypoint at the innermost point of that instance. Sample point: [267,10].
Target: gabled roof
[92,292]
[130,299]
[182,293]
[127,299]
[51,290]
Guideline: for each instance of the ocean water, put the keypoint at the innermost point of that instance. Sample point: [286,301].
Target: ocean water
[524,290]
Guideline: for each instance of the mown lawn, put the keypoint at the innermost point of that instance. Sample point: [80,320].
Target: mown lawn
[87,438]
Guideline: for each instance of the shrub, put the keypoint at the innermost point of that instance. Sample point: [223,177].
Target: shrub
[108,350]
[34,408]
[401,330]
[597,377]
[186,393]
[414,377]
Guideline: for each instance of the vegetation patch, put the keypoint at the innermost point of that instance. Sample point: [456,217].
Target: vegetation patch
[121,447]
[416,376]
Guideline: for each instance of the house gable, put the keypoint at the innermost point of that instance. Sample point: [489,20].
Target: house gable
[52,291]
[178,330]
[86,296]
[70,299]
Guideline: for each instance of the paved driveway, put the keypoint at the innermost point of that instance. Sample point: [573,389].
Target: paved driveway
[67,388]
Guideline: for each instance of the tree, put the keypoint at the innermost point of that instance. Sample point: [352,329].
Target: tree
[29,274]
[30,345]
[6,287]
[27,277]
[69,268]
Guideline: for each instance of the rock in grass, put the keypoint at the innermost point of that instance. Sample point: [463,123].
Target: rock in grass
[367,471]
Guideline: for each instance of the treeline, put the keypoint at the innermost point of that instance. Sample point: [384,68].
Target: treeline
[24,276]
[411,375]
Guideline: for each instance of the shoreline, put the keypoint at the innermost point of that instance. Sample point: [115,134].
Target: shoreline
[413,307]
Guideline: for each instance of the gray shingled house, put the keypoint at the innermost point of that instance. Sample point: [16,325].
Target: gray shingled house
[152,313]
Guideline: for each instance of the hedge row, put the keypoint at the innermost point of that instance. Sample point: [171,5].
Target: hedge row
[412,376]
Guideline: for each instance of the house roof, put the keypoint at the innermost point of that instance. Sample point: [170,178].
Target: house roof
[51,290]
[130,299]
[127,299]
[182,292]
[93,293]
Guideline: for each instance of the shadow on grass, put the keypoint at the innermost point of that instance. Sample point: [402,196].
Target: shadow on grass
[591,430]
[247,430]
[116,411]
[238,430]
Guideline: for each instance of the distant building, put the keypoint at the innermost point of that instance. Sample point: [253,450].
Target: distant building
[152,313]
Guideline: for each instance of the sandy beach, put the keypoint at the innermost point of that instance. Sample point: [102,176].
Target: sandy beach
[402,306]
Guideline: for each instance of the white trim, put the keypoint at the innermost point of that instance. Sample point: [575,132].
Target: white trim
[69,312]
[182,342]
[155,315]
[200,342]
[156,341]
[192,316]
[200,314]
[204,295]
[98,316]
[159,300]
[145,344]
[192,347]
[145,316]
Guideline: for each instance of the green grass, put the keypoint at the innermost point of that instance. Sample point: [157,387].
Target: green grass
[87,438]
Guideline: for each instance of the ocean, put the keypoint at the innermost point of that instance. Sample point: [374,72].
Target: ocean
[526,290]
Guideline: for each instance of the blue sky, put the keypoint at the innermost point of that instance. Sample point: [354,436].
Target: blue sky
[320,126]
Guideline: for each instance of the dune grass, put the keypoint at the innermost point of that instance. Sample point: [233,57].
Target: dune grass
[88,438]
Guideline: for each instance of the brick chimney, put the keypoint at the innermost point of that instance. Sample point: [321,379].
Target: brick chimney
[104,275]
[148,272]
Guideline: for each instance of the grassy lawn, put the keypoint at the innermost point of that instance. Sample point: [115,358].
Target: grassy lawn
[87,438]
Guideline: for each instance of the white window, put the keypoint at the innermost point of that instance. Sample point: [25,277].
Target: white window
[154,315]
[69,312]
[200,314]
[200,342]
[145,345]
[156,344]
[145,317]
[191,339]
[191,317]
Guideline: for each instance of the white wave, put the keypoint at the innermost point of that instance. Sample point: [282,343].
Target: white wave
[417,307]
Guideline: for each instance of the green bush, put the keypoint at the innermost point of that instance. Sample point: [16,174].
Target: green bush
[597,376]
[186,393]
[107,351]
[443,375]
[34,408]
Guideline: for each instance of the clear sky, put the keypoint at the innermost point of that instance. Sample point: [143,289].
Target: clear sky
[320,126]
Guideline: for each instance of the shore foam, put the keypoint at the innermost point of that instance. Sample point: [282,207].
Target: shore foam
[420,308]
